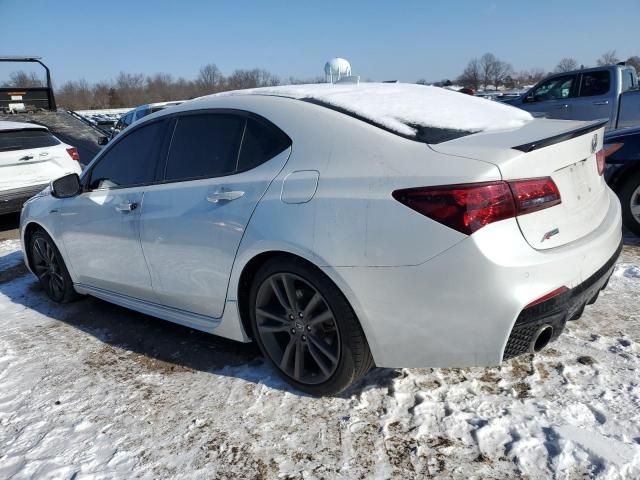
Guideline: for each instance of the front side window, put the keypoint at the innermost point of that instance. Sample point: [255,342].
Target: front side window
[261,142]
[25,139]
[204,146]
[595,83]
[131,161]
[555,89]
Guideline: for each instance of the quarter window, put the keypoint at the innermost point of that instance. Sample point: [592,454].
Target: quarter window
[131,161]
[595,83]
[554,89]
[204,145]
[261,142]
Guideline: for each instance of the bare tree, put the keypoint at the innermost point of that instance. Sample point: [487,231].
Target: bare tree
[471,76]
[76,95]
[608,58]
[23,79]
[241,79]
[158,87]
[488,64]
[210,79]
[101,95]
[566,65]
[130,88]
[634,61]
[501,73]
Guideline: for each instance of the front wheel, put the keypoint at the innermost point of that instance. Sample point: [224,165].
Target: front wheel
[306,329]
[630,201]
[50,269]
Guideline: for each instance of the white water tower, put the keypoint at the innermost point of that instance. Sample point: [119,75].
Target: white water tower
[335,69]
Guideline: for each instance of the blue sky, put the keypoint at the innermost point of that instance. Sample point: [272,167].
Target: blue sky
[382,39]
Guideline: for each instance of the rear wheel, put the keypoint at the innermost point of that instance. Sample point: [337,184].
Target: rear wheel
[50,269]
[306,328]
[630,200]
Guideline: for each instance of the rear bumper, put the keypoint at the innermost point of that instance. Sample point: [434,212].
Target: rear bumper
[459,308]
[558,310]
[12,200]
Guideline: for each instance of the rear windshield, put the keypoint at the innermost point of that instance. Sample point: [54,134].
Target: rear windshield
[26,139]
[423,133]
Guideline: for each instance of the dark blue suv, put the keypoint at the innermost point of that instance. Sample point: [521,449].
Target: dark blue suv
[622,172]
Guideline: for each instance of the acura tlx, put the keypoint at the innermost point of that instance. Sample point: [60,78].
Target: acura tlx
[340,226]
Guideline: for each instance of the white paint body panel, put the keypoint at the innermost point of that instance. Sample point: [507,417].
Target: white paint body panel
[426,295]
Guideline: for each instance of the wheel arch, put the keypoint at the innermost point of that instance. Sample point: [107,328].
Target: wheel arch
[622,176]
[27,234]
[252,266]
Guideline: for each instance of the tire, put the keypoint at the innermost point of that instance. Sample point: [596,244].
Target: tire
[317,345]
[629,194]
[49,267]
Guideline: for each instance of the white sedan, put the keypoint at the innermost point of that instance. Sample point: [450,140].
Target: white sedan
[340,226]
[30,157]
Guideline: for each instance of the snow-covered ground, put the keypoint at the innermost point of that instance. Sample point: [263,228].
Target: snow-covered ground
[93,390]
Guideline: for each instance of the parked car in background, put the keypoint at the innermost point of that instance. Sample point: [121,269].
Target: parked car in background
[588,94]
[622,172]
[340,226]
[135,115]
[30,157]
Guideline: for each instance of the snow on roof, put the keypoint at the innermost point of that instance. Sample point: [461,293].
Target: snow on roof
[398,106]
[19,126]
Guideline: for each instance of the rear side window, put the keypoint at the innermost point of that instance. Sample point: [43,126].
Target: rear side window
[143,112]
[204,145]
[131,161]
[261,142]
[595,83]
[628,80]
[25,139]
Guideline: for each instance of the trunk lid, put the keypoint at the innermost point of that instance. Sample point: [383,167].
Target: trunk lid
[562,150]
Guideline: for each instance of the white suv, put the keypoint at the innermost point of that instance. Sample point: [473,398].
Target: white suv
[30,157]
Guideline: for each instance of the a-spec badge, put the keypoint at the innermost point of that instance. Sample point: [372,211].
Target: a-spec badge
[550,234]
[594,143]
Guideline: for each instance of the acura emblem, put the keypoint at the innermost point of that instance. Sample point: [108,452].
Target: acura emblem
[594,143]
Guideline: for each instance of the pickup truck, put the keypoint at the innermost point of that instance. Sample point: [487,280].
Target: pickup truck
[588,94]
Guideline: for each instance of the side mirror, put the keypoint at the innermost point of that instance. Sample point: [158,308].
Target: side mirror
[529,98]
[67,186]
[103,141]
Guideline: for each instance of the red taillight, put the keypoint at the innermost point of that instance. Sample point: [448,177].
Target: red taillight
[73,153]
[534,194]
[468,208]
[548,296]
[600,156]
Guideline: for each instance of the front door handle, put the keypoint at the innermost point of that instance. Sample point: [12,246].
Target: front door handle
[224,196]
[127,207]
[563,106]
[605,102]
[26,157]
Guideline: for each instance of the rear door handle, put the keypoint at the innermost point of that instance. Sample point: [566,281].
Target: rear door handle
[26,157]
[127,207]
[564,105]
[224,196]
[605,102]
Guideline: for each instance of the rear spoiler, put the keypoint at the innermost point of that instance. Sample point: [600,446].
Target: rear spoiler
[545,142]
[35,128]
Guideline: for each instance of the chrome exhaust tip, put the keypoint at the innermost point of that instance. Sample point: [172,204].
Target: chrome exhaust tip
[541,338]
